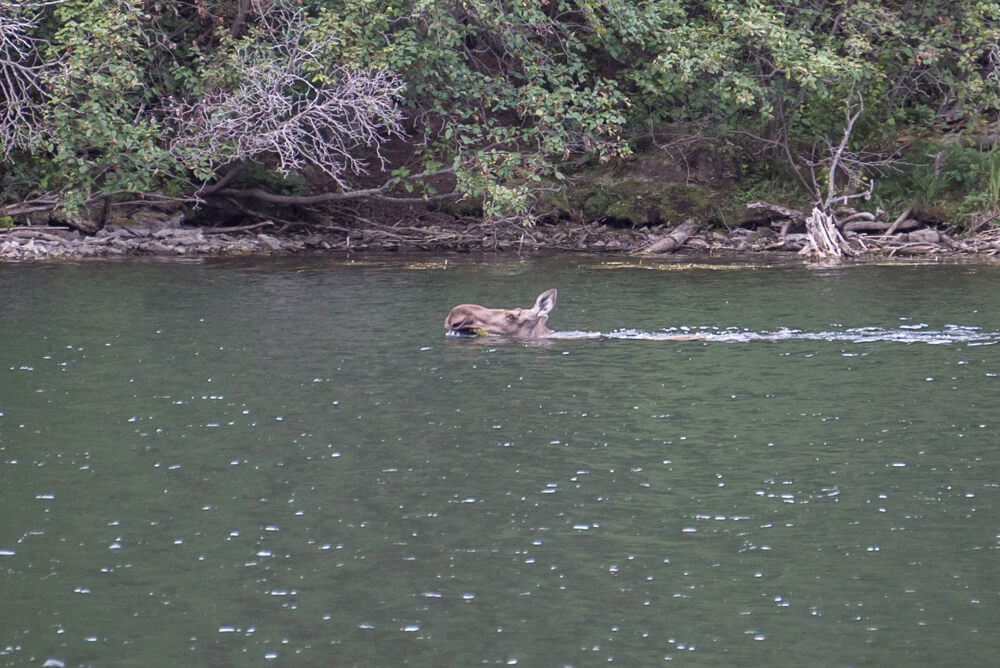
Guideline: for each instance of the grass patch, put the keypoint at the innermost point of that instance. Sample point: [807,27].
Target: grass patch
[944,181]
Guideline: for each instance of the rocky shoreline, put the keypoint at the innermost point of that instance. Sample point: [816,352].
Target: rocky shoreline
[167,237]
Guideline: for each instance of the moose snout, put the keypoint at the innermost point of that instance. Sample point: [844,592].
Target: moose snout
[456,323]
[459,324]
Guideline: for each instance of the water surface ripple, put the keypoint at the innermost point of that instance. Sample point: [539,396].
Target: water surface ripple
[261,463]
[920,333]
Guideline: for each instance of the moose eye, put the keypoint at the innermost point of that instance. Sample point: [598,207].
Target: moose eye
[511,317]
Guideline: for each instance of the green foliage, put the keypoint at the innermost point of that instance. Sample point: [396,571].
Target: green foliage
[508,95]
[951,179]
[773,77]
[501,90]
[98,140]
[768,181]
[991,173]
[983,195]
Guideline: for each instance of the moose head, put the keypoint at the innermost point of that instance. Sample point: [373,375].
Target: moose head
[517,323]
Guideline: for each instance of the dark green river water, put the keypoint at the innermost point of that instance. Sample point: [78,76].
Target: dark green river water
[288,463]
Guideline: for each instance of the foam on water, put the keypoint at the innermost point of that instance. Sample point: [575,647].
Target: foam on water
[920,333]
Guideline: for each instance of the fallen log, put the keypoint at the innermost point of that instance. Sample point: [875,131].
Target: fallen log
[237,228]
[879,226]
[673,239]
[19,228]
[857,215]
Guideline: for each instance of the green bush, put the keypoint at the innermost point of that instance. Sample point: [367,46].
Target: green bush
[496,98]
[949,180]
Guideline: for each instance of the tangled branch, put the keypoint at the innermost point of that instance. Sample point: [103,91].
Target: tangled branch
[284,108]
[21,72]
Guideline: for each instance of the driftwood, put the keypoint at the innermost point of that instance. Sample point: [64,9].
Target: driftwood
[879,226]
[899,221]
[917,248]
[441,232]
[825,240]
[854,216]
[673,239]
[238,228]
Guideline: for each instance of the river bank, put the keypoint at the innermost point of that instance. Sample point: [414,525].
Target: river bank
[169,237]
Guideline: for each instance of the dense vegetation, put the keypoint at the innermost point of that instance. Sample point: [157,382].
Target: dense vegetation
[490,102]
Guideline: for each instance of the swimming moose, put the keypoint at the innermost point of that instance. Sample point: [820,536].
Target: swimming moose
[517,323]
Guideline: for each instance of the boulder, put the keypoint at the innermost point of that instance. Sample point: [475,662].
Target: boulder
[924,235]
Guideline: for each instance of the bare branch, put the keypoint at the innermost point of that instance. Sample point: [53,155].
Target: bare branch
[849,174]
[852,112]
[29,206]
[281,107]
[21,73]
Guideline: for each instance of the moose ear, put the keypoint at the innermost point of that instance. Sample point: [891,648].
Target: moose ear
[546,301]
